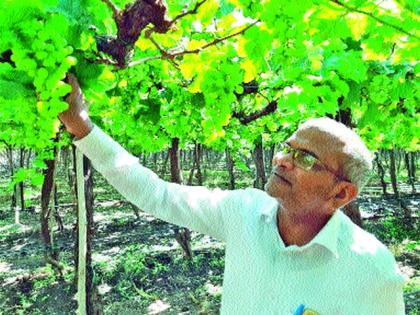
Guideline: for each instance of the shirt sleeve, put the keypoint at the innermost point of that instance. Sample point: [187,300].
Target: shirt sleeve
[386,294]
[198,208]
[388,299]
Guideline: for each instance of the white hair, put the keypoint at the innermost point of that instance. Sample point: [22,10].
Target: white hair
[357,163]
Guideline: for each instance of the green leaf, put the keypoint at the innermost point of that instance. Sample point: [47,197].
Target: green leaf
[12,90]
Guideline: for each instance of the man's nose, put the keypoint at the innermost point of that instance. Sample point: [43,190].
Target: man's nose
[283,160]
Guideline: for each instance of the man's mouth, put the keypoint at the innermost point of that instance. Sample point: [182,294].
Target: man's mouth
[282,178]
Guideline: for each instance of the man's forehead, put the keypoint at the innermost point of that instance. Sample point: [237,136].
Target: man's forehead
[313,137]
[308,135]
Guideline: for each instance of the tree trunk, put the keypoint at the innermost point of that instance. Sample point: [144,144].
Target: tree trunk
[197,159]
[144,160]
[381,173]
[409,172]
[182,235]
[191,155]
[353,212]
[136,211]
[57,217]
[69,159]
[413,156]
[230,166]
[196,165]
[344,115]
[208,162]
[386,158]
[204,162]
[50,252]
[398,160]
[28,158]
[392,171]
[13,203]
[259,164]
[155,164]
[21,185]
[270,158]
[191,175]
[164,165]
[55,195]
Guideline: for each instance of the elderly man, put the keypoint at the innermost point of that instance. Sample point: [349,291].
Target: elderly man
[289,250]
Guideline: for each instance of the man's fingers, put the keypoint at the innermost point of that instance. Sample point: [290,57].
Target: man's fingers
[75,89]
[71,79]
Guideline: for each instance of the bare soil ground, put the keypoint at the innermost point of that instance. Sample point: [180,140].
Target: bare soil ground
[139,267]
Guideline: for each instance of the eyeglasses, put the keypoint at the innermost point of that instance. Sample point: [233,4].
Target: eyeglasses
[306,160]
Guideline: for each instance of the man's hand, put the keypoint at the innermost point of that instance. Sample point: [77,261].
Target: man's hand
[76,118]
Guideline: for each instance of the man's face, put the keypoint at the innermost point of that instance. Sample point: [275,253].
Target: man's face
[307,190]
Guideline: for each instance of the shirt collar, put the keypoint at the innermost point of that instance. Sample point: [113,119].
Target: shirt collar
[327,237]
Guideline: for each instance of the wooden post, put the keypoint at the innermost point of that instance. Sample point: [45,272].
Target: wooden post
[81,282]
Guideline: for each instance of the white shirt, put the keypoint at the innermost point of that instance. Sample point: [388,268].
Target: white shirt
[344,270]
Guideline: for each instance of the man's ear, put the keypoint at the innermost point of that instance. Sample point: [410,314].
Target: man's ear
[345,193]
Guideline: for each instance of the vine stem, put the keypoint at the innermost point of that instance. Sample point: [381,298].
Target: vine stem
[193,11]
[168,55]
[216,41]
[400,29]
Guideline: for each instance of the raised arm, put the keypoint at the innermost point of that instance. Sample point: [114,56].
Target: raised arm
[198,208]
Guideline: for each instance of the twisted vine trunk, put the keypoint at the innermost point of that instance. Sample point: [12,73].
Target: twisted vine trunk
[9,152]
[381,173]
[164,165]
[196,167]
[50,252]
[270,157]
[198,154]
[410,171]
[230,166]
[21,185]
[130,23]
[393,172]
[57,217]
[259,164]
[182,235]
[190,177]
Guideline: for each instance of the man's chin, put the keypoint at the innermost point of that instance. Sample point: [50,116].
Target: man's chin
[267,187]
[272,191]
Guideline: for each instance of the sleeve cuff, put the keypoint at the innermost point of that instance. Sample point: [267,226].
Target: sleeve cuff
[100,148]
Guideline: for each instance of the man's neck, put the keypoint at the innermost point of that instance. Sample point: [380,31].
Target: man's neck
[299,229]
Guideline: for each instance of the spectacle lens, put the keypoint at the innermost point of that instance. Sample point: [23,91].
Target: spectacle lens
[301,159]
[306,161]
